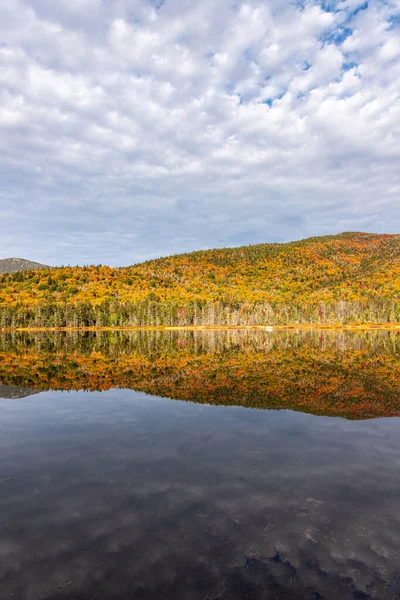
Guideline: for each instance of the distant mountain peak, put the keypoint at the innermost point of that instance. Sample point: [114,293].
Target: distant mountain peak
[11,265]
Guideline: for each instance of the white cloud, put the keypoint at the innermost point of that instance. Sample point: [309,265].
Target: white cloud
[276,120]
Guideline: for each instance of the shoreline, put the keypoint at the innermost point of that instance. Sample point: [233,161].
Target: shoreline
[318,326]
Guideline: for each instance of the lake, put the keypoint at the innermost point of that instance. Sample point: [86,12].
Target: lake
[204,465]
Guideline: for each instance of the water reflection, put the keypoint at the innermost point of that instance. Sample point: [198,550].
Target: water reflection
[16,391]
[351,374]
[121,495]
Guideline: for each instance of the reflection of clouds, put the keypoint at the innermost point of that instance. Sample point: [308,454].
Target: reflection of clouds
[188,501]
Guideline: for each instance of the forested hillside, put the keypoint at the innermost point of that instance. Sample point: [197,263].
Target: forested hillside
[352,277]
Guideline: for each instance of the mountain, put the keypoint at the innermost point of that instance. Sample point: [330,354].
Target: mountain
[11,265]
[351,277]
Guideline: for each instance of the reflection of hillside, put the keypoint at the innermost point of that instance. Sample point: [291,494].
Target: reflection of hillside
[350,374]
[16,391]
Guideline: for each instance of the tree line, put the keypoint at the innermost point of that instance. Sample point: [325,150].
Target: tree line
[148,313]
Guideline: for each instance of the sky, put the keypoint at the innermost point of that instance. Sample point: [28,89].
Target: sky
[131,129]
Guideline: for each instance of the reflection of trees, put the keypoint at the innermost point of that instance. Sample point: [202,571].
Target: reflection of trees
[353,374]
[199,341]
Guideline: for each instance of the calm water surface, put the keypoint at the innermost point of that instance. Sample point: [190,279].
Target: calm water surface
[121,494]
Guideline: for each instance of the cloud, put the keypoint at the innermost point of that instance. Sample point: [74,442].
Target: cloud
[121,494]
[132,130]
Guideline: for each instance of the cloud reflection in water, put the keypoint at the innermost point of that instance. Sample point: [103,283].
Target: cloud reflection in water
[122,495]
